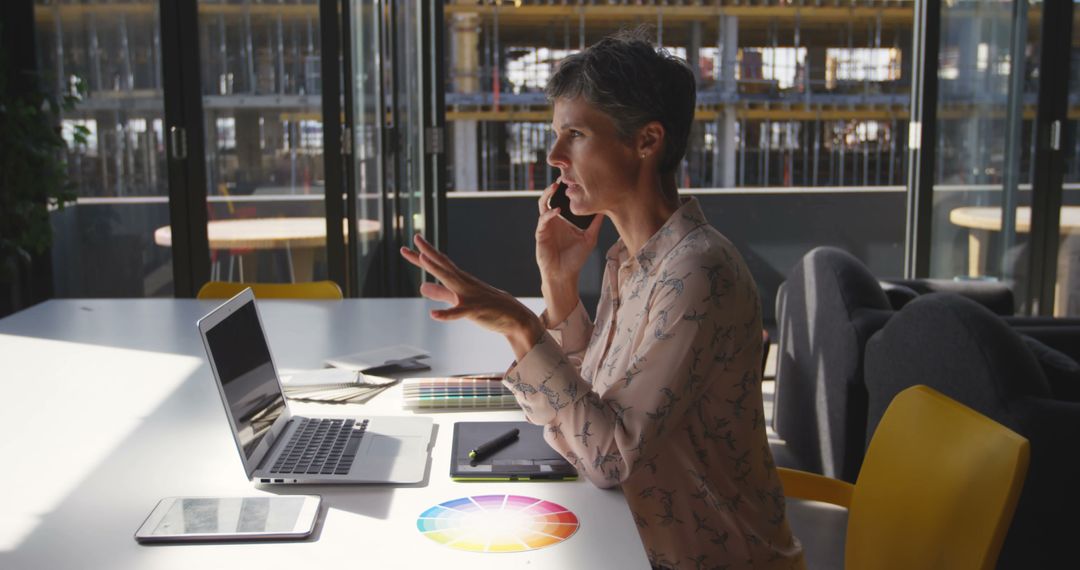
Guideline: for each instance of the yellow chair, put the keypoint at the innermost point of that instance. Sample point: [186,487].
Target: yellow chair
[937,489]
[326,290]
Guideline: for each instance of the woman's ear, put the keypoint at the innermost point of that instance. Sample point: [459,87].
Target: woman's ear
[650,140]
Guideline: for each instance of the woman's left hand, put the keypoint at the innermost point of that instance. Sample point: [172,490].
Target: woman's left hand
[471,298]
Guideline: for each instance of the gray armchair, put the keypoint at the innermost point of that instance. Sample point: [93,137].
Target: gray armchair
[827,309]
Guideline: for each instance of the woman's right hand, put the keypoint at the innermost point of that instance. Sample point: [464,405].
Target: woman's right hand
[561,251]
[562,248]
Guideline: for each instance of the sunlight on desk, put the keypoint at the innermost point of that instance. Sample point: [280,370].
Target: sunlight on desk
[56,455]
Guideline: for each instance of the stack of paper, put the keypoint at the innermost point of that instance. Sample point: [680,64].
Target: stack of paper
[334,385]
[458,392]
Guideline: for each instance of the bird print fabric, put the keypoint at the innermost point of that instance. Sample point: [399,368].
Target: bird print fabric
[661,395]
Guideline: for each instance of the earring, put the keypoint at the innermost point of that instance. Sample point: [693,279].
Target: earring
[642,155]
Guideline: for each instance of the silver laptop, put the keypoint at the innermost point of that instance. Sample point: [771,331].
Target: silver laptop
[277,446]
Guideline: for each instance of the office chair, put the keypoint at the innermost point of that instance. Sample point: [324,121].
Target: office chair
[324,290]
[937,489]
[829,307]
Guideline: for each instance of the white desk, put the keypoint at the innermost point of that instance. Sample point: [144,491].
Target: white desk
[108,406]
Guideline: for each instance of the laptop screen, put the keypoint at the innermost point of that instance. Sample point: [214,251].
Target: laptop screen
[247,375]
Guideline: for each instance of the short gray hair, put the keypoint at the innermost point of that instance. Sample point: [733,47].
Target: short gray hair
[634,83]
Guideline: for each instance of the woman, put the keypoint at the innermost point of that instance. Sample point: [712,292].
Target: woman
[661,394]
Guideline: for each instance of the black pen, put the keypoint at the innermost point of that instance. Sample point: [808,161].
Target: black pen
[494,445]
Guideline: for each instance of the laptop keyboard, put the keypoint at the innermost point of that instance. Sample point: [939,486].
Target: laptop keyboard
[321,446]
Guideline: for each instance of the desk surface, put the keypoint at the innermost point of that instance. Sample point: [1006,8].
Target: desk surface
[989,218]
[123,411]
[267,233]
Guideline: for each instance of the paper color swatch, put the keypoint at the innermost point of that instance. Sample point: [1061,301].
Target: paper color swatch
[457,393]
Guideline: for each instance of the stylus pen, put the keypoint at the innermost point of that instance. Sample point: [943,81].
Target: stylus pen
[494,445]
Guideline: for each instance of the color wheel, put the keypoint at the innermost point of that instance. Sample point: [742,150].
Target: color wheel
[497,523]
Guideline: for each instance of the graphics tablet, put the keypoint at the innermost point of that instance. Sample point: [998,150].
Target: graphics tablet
[527,458]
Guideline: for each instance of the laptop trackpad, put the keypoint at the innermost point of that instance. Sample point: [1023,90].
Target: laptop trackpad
[389,446]
[384,446]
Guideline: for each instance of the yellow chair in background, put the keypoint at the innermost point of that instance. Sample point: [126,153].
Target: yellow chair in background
[937,489]
[323,290]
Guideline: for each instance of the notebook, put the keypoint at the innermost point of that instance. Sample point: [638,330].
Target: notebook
[527,458]
[277,446]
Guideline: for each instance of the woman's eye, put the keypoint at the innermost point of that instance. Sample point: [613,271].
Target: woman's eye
[571,133]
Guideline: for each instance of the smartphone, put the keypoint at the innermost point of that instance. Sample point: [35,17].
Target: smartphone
[200,519]
[559,200]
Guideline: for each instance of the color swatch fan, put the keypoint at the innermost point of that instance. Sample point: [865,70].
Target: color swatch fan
[497,523]
[458,392]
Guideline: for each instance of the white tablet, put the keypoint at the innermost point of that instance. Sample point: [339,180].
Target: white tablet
[196,519]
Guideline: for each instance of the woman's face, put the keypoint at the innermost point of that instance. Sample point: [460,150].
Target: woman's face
[597,166]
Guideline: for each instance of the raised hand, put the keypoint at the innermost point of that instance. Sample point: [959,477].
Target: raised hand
[471,298]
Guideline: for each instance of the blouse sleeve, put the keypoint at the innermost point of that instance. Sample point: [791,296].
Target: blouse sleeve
[572,334]
[691,329]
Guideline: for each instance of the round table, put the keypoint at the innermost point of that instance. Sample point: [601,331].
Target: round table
[299,237]
[983,219]
[989,218]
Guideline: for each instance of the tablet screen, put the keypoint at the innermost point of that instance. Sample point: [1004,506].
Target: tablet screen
[230,516]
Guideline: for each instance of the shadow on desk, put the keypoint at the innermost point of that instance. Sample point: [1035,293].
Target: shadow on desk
[369,500]
[132,485]
[154,436]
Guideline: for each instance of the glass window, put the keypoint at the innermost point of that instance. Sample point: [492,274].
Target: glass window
[988,80]
[1067,295]
[108,244]
[262,101]
[799,139]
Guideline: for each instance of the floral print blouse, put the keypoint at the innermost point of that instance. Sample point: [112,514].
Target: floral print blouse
[662,395]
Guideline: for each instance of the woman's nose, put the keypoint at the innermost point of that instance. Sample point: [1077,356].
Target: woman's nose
[555,156]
